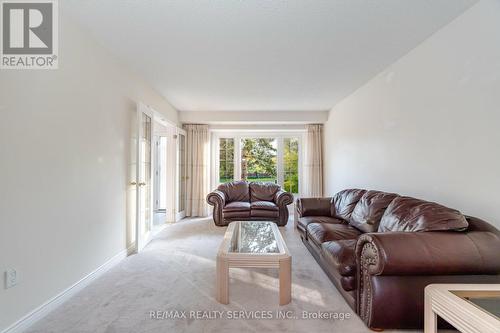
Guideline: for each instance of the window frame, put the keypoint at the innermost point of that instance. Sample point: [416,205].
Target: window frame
[279,135]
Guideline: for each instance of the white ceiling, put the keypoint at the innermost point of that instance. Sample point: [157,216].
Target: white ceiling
[261,55]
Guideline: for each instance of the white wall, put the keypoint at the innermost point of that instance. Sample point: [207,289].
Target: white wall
[64,150]
[429,125]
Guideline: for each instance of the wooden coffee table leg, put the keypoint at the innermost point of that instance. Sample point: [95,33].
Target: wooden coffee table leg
[222,280]
[430,317]
[285,267]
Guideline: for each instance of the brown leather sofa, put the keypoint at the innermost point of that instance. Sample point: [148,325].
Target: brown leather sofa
[241,200]
[382,249]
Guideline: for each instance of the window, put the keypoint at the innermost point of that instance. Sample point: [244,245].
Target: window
[226,160]
[291,165]
[258,157]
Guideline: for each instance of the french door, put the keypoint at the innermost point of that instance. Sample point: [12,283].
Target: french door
[181,176]
[143,179]
[158,177]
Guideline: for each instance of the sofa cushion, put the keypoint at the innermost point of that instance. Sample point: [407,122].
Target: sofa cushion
[235,191]
[369,210]
[236,206]
[345,201]
[414,215]
[264,205]
[263,191]
[303,222]
[264,213]
[324,232]
[341,255]
[236,214]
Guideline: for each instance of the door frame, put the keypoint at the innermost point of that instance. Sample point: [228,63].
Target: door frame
[169,129]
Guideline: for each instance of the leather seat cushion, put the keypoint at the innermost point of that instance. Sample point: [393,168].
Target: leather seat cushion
[264,213]
[236,214]
[236,206]
[264,205]
[324,232]
[341,255]
[303,222]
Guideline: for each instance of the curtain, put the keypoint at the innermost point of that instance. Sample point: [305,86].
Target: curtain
[197,184]
[314,161]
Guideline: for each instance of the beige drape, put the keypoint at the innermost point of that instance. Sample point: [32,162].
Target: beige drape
[197,184]
[313,185]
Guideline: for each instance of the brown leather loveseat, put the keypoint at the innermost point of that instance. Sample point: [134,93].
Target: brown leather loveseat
[382,249]
[241,200]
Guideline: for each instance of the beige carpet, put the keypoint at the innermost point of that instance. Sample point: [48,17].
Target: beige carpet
[176,273]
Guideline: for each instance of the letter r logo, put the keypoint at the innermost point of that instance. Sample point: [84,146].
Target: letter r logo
[27,27]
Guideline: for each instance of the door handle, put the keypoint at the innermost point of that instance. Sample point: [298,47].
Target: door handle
[142,184]
[133,183]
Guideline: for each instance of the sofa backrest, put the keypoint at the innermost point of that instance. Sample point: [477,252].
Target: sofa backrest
[369,210]
[235,191]
[415,215]
[345,201]
[376,211]
[263,191]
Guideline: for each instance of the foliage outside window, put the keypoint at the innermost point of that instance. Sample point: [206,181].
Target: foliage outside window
[226,160]
[258,159]
[291,165]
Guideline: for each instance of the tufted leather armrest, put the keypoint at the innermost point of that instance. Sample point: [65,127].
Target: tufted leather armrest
[283,198]
[428,253]
[315,206]
[218,200]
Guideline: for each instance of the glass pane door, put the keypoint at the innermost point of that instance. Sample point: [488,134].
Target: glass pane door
[291,165]
[160,175]
[145,173]
[144,202]
[226,160]
[181,176]
[259,159]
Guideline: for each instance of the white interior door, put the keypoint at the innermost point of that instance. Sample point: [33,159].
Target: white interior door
[143,182]
[181,176]
[160,173]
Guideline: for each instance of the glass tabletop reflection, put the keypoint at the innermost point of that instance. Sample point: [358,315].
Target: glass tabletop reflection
[488,301]
[254,237]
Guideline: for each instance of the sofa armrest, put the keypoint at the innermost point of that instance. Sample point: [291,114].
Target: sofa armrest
[315,207]
[283,198]
[428,253]
[216,198]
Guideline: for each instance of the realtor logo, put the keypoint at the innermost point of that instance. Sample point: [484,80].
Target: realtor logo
[29,34]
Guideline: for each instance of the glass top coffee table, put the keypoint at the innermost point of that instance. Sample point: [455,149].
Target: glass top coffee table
[468,307]
[253,244]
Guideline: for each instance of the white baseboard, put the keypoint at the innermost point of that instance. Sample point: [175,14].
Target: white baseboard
[41,311]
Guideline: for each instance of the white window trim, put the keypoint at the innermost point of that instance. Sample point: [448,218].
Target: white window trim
[238,135]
